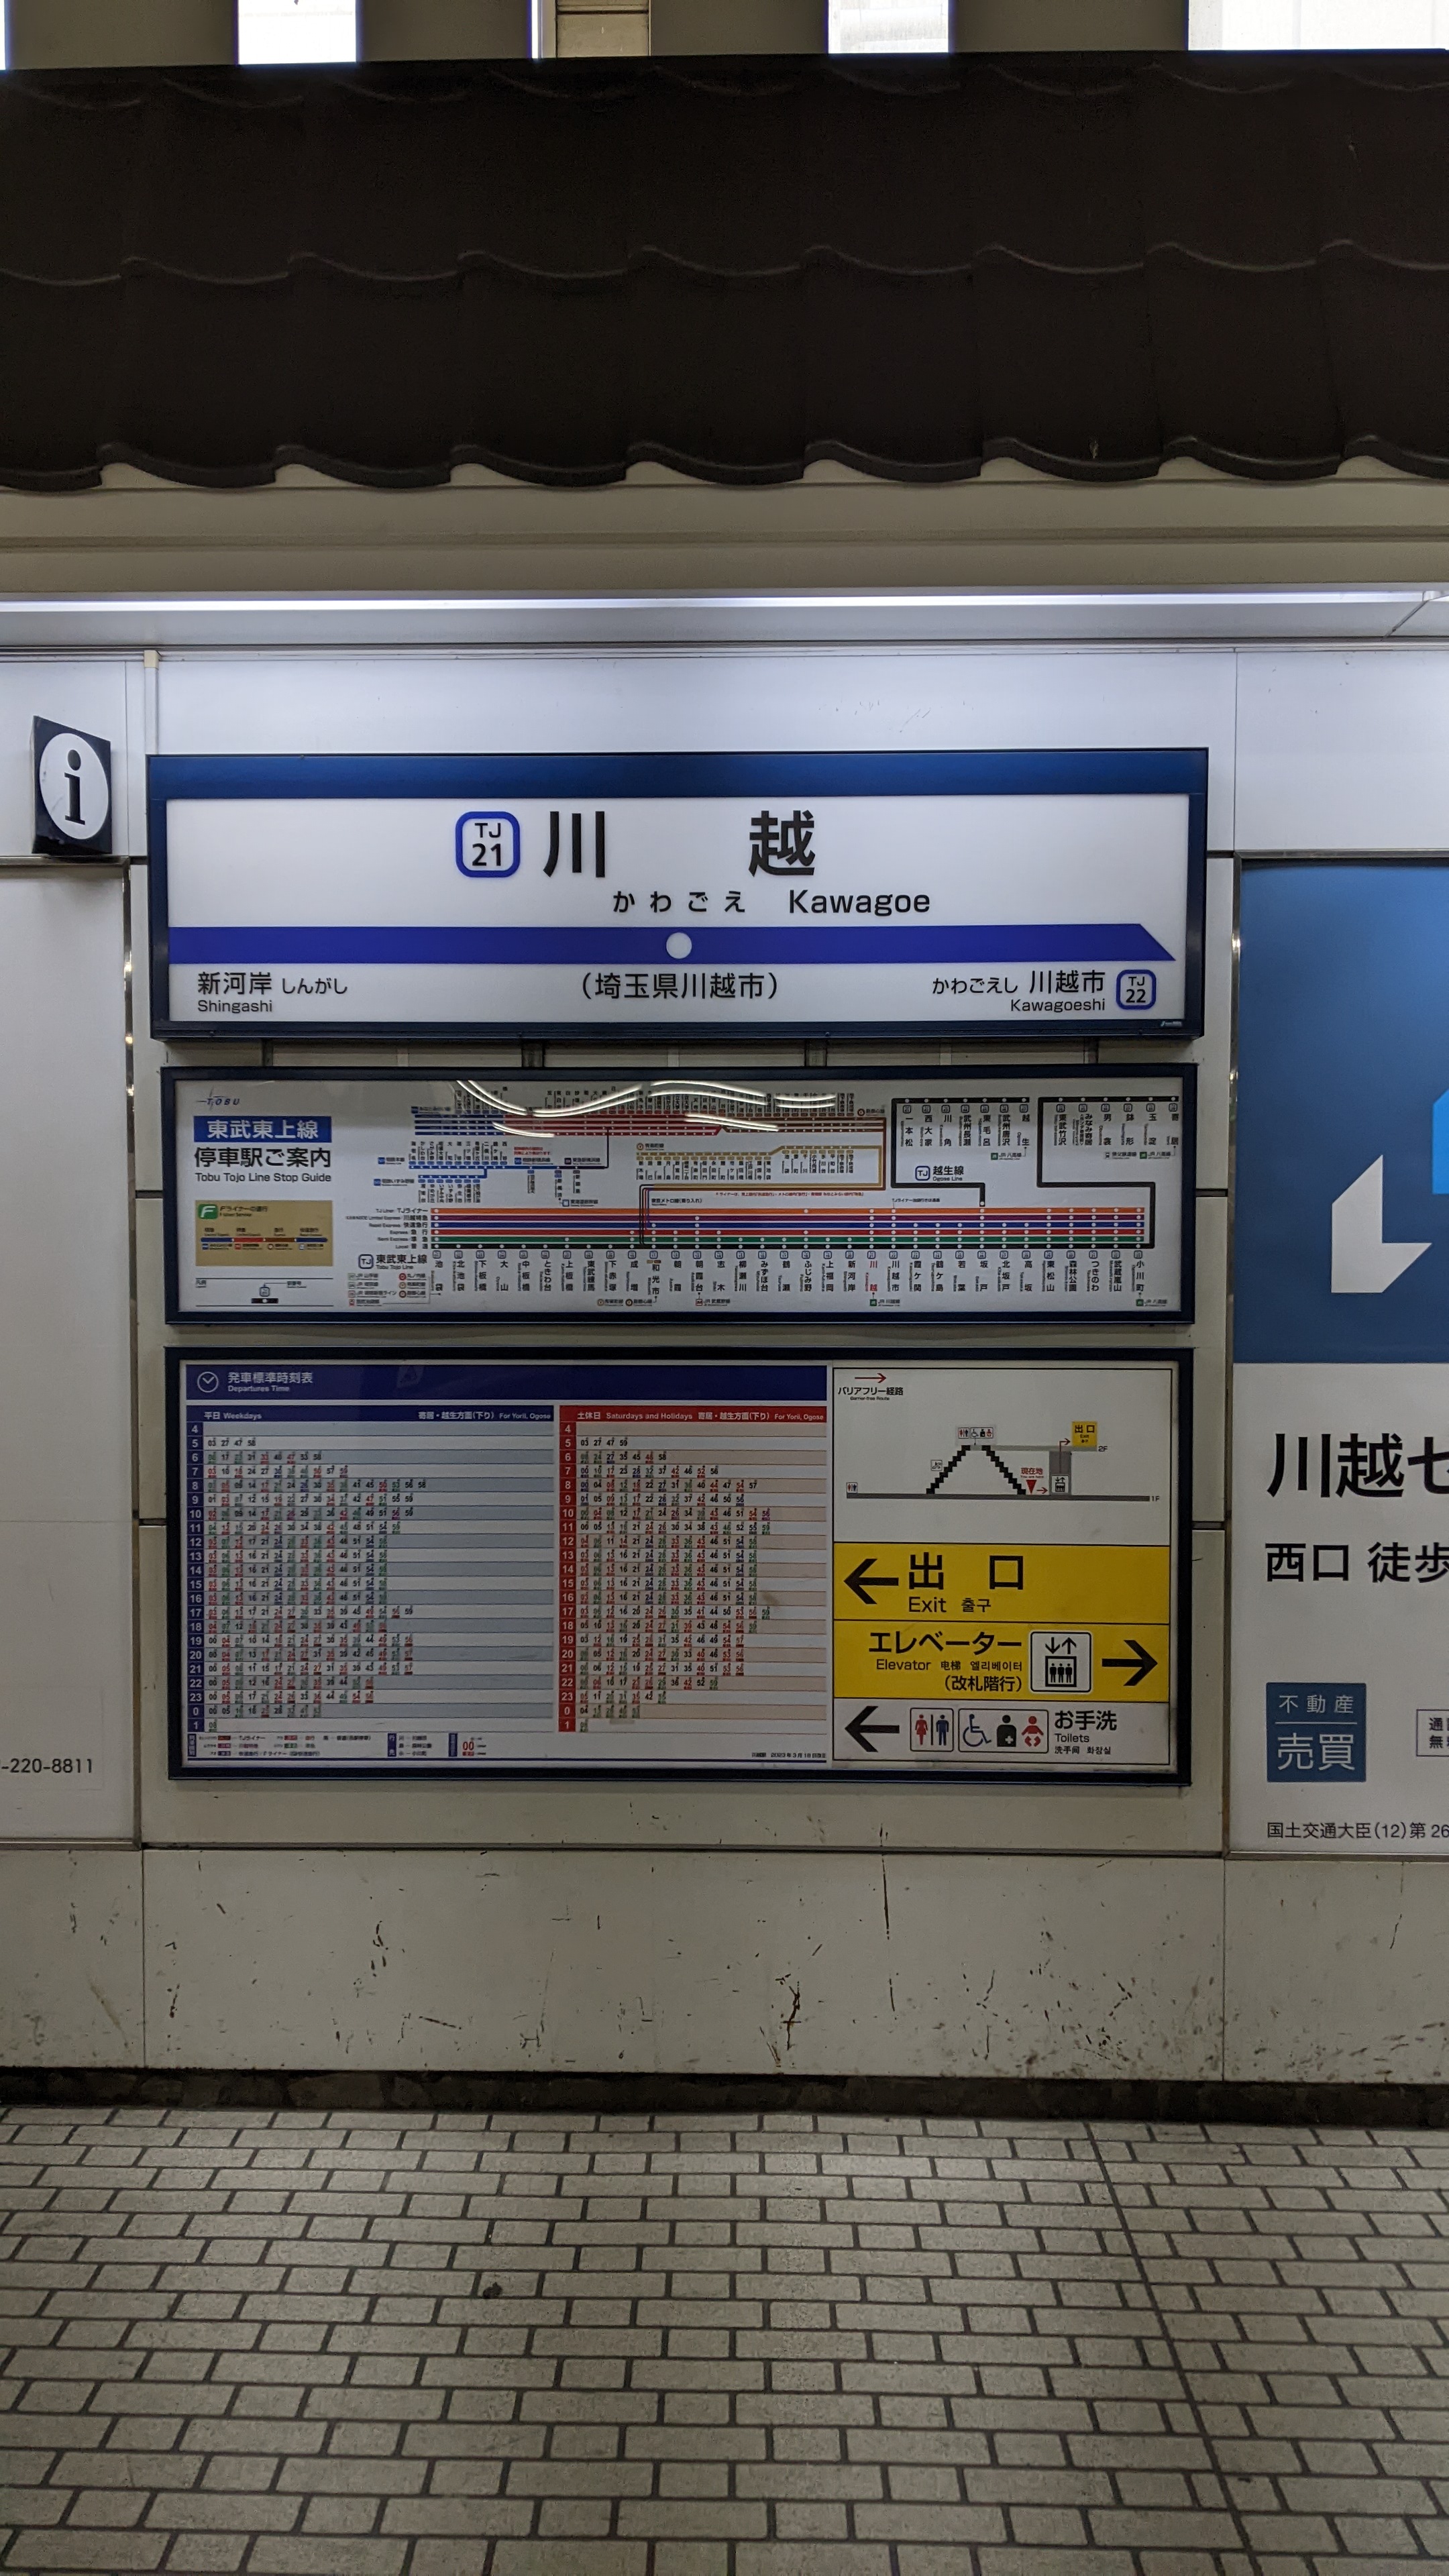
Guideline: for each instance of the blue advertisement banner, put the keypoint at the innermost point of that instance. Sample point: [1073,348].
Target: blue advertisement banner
[1342,1199]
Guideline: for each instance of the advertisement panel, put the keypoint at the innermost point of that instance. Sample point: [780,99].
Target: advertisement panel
[1341,1383]
[396,1195]
[438,1565]
[678,896]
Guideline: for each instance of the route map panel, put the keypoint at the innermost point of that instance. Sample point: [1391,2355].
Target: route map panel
[441,1565]
[1031,1193]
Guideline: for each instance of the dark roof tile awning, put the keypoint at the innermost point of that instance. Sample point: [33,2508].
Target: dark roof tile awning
[1088,264]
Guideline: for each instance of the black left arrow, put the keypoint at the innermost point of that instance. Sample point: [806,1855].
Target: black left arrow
[862,1734]
[1136,1666]
[863,1583]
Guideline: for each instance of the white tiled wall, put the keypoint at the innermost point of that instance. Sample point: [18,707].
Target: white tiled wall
[952,1927]
[65,1357]
[687,1961]
[70,1944]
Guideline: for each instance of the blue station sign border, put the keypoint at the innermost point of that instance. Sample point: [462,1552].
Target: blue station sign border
[487,779]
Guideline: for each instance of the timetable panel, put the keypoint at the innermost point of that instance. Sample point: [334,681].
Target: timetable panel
[1061,1193]
[445,1565]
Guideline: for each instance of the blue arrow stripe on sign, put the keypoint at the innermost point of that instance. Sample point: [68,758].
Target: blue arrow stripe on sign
[967,944]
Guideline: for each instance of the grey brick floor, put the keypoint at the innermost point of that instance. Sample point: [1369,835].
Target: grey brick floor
[451,2346]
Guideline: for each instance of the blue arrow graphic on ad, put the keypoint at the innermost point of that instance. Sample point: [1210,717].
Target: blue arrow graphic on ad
[1363,1264]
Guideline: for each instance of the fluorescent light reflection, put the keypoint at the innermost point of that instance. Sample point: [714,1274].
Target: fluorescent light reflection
[296,31]
[861,620]
[707,1091]
[587,1108]
[507,604]
[729,1118]
[1318,26]
[890,26]
[495,1099]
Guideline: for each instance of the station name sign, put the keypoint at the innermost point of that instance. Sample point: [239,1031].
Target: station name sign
[673,895]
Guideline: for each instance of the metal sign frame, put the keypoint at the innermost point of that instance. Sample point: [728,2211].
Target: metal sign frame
[541,1363]
[483,779]
[939,1078]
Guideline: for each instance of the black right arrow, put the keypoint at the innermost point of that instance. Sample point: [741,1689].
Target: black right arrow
[861,1734]
[1137,1665]
[863,1583]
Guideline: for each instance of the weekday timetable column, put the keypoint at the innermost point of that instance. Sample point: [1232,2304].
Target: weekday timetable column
[369,1588]
[446,1563]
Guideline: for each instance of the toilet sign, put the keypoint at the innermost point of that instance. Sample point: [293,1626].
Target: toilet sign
[72,780]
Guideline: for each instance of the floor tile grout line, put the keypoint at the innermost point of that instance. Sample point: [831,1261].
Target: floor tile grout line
[1249,2554]
[609,2165]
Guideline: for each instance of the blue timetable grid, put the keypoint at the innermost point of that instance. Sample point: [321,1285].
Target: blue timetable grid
[352,1585]
[371,1576]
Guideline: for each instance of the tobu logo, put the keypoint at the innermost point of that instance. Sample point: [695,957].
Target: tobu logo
[72,778]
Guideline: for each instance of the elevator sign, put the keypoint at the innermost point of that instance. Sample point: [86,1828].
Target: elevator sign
[1003,1573]
[680,896]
